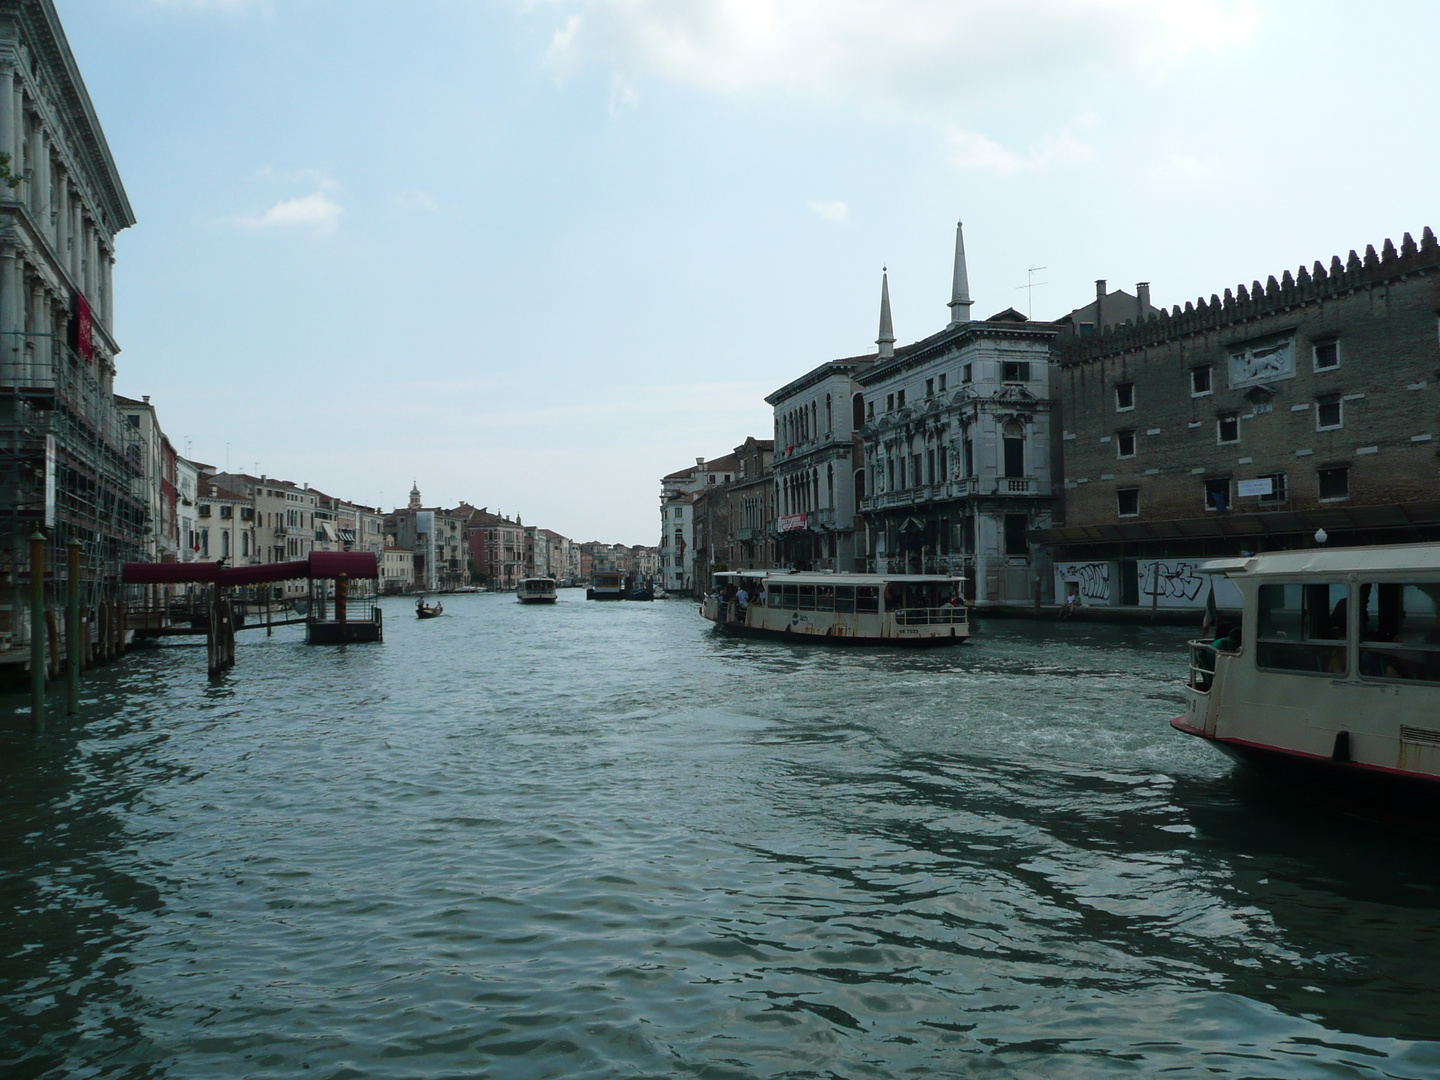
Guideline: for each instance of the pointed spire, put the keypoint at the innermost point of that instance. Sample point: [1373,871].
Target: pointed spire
[960,288]
[886,340]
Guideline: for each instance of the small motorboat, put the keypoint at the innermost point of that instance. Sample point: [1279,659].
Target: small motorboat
[426,611]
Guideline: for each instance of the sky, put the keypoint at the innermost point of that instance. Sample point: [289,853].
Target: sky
[536,254]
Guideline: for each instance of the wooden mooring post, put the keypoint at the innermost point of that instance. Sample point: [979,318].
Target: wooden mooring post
[37,633]
[220,638]
[73,645]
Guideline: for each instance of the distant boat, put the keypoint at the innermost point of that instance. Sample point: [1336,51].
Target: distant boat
[860,609]
[536,590]
[466,589]
[607,586]
[425,611]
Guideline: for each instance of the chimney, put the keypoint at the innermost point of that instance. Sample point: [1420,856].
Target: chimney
[1099,304]
[147,399]
[1142,294]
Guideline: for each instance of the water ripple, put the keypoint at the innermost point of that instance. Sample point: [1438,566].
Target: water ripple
[600,840]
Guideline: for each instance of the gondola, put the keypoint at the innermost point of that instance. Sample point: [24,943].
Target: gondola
[424,611]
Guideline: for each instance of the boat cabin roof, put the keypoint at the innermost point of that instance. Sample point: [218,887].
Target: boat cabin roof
[537,581]
[796,577]
[1394,560]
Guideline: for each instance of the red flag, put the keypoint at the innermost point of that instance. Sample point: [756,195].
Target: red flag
[86,343]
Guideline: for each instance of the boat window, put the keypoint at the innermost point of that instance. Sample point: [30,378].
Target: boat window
[824,598]
[1302,628]
[789,596]
[1400,631]
[867,598]
[845,599]
[807,598]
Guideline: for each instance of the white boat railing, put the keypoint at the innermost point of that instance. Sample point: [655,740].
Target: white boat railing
[941,616]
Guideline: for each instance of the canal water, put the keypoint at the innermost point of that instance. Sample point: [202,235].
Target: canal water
[598,840]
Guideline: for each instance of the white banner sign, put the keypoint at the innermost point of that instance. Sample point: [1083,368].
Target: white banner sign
[1250,488]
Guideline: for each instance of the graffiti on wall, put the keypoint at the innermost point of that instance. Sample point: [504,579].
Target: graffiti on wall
[1093,579]
[1177,581]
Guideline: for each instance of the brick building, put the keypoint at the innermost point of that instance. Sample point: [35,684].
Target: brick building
[733,515]
[1249,423]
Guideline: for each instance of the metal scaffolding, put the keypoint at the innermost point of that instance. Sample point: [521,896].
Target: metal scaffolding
[70,465]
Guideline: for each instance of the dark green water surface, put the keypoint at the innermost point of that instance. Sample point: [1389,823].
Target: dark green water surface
[597,840]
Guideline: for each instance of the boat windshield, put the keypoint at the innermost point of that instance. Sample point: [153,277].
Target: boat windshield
[921,595]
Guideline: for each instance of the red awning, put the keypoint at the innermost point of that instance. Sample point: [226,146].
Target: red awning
[168,573]
[353,564]
[321,564]
[259,575]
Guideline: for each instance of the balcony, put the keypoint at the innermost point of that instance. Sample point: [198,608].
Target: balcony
[969,487]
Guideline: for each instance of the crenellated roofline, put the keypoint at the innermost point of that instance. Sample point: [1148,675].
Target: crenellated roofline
[1291,292]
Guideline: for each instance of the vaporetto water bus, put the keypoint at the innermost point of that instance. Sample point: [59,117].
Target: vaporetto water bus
[605,585]
[536,590]
[1336,672]
[860,609]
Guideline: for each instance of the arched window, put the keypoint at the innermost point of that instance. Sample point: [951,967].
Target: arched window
[224,545]
[1014,436]
[830,485]
[829,416]
[857,412]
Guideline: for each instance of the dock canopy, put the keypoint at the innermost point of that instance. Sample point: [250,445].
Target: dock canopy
[353,564]
[321,564]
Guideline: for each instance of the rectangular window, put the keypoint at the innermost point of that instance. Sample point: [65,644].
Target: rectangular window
[929,388]
[942,383]
[1125,444]
[867,599]
[1200,380]
[1327,413]
[1217,494]
[1015,543]
[1334,483]
[1015,371]
[1278,491]
[899,399]
[969,449]
[1400,631]
[870,410]
[1127,502]
[915,480]
[930,466]
[889,475]
[889,402]
[1327,354]
[1124,396]
[965,374]
[1227,428]
[1015,458]
[1302,628]
[942,464]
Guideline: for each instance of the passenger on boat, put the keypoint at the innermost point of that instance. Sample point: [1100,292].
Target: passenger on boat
[743,596]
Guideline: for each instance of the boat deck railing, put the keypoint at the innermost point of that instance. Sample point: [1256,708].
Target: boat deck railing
[941,616]
[1201,675]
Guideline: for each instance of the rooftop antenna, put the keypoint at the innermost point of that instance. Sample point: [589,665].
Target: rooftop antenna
[1030,286]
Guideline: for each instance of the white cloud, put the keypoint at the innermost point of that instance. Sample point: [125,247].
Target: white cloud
[416,200]
[237,6]
[830,211]
[317,213]
[926,61]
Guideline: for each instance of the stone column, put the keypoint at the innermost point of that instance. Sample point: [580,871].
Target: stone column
[108,265]
[35,326]
[36,163]
[62,217]
[10,339]
[17,147]
[7,119]
[72,259]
